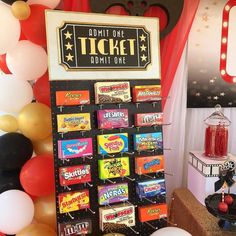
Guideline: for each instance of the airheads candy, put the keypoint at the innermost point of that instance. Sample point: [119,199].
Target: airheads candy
[151,188]
[121,214]
[147,93]
[112,118]
[75,148]
[113,168]
[149,164]
[70,98]
[74,175]
[78,227]
[108,194]
[73,122]
[148,119]
[148,141]
[152,212]
[112,143]
[73,201]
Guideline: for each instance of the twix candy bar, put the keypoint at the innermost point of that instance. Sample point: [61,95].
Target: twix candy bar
[147,93]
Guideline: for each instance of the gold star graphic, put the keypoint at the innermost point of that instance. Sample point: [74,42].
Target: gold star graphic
[143,48]
[205,17]
[69,57]
[144,58]
[68,35]
[142,37]
[69,46]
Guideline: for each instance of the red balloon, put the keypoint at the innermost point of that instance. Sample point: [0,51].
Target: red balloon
[34,27]
[117,10]
[37,176]
[41,90]
[1,234]
[3,66]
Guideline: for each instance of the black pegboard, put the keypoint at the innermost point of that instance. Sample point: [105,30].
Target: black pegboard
[143,229]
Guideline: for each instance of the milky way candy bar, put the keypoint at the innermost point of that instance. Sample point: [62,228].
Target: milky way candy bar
[73,228]
[73,201]
[152,212]
[112,92]
[148,119]
[108,194]
[147,93]
[74,175]
[113,118]
[151,188]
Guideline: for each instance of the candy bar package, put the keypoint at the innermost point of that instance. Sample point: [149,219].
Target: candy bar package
[73,201]
[148,141]
[113,168]
[71,98]
[151,188]
[108,194]
[74,175]
[73,122]
[73,228]
[152,212]
[113,118]
[119,214]
[75,148]
[112,92]
[112,143]
[148,119]
[149,164]
[146,93]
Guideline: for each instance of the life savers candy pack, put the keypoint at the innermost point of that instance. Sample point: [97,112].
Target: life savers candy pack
[70,98]
[112,92]
[113,168]
[108,194]
[149,164]
[121,214]
[112,143]
[147,93]
[151,188]
[78,227]
[148,119]
[73,122]
[148,141]
[75,148]
[152,212]
[74,175]
[113,118]
[73,201]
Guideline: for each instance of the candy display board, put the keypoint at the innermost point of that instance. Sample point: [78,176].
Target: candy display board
[107,134]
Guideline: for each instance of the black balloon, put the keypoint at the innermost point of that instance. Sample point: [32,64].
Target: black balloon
[15,150]
[10,2]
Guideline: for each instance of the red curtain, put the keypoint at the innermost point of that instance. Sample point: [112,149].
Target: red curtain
[171,46]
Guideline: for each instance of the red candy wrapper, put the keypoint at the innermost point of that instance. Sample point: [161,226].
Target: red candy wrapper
[148,119]
[147,93]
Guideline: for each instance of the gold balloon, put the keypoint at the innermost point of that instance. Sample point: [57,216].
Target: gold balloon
[45,210]
[34,121]
[20,10]
[8,123]
[44,146]
[37,230]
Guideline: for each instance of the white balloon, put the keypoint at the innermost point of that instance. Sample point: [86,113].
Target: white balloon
[48,3]
[27,60]
[14,94]
[17,211]
[9,29]
[170,231]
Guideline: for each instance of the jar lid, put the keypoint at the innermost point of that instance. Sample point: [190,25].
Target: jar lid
[217,117]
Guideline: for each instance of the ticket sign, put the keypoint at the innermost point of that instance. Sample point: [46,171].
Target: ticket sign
[80,44]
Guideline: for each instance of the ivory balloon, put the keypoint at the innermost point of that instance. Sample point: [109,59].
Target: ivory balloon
[34,121]
[14,94]
[171,231]
[20,10]
[37,230]
[8,123]
[9,29]
[49,3]
[27,61]
[17,211]
[44,146]
[45,210]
